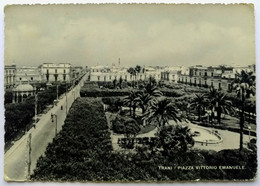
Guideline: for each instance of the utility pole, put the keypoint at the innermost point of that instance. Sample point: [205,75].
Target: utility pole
[35,111]
[57,92]
[29,144]
[66,100]
[56,122]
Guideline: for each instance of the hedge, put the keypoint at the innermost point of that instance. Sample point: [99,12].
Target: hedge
[82,151]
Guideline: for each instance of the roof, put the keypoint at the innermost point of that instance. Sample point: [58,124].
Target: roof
[25,87]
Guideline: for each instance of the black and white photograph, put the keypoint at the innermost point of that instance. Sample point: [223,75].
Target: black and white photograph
[127,93]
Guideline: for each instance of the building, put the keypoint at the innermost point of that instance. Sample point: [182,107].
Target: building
[10,76]
[51,72]
[218,77]
[25,75]
[105,73]
[172,73]
[21,92]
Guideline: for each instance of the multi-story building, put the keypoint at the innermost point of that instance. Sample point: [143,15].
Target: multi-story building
[51,72]
[10,76]
[28,75]
[172,73]
[105,73]
[220,77]
[208,77]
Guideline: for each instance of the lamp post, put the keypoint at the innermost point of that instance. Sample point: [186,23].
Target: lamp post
[56,121]
[249,127]
[35,109]
[66,100]
[57,92]
[29,145]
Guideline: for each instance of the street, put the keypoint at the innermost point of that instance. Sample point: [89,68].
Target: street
[17,157]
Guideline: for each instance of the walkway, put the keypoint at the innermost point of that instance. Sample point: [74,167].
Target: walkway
[17,157]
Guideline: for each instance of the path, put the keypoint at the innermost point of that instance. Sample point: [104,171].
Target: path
[16,158]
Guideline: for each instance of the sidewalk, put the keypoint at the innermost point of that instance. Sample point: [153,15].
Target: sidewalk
[17,157]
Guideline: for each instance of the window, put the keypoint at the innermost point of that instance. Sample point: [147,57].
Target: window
[56,77]
[47,71]
[55,71]
[64,71]
[212,74]
[98,78]
[64,77]
[32,78]
[206,74]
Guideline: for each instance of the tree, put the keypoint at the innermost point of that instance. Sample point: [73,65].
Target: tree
[131,102]
[138,69]
[114,83]
[152,90]
[219,102]
[199,104]
[132,72]
[152,80]
[120,82]
[244,84]
[176,138]
[144,100]
[160,112]
[8,97]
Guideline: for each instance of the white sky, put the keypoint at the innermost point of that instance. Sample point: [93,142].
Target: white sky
[139,34]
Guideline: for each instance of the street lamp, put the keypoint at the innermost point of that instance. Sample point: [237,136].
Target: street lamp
[35,111]
[66,100]
[52,120]
[249,127]
[57,92]
[29,145]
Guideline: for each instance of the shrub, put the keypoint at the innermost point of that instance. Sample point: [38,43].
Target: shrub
[125,125]
[175,138]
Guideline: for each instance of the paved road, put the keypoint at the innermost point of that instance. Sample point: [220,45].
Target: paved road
[16,158]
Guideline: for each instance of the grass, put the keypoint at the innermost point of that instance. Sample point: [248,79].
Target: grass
[146,129]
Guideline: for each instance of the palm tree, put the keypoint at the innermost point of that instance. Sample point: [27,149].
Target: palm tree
[218,102]
[222,105]
[132,71]
[144,100]
[199,104]
[120,82]
[211,95]
[152,90]
[131,101]
[244,84]
[138,69]
[114,83]
[161,112]
[152,81]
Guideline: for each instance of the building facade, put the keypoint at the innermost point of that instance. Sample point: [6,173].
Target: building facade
[25,75]
[51,72]
[105,73]
[220,77]
[9,76]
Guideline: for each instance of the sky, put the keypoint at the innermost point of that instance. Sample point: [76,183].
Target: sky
[146,35]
